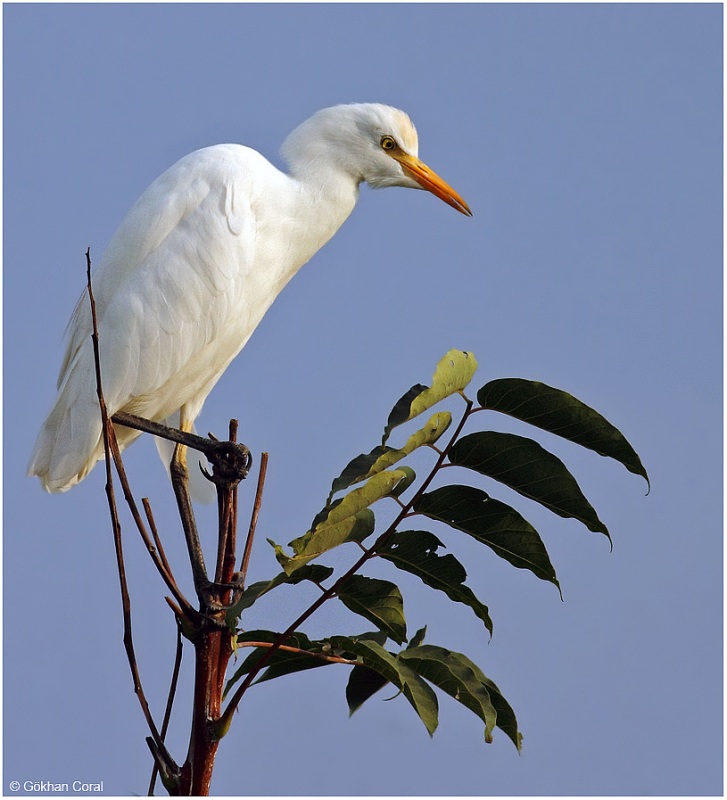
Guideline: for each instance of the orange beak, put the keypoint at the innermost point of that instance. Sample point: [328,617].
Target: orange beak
[430,181]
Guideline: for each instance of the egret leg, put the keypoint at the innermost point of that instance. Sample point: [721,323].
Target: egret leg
[180,483]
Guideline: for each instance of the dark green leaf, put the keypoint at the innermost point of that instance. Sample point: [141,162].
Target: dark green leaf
[529,469]
[452,374]
[453,674]
[249,596]
[379,637]
[286,663]
[389,666]
[416,552]
[417,638]
[461,678]
[506,720]
[378,601]
[562,414]
[491,522]
[282,662]
[402,408]
[317,573]
[358,468]
[362,684]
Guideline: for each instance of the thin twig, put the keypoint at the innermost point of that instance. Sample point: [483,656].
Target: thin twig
[170,702]
[227,522]
[180,485]
[286,648]
[163,431]
[231,544]
[166,575]
[224,513]
[167,762]
[155,533]
[253,520]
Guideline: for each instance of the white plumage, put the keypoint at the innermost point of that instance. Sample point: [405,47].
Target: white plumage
[198,261]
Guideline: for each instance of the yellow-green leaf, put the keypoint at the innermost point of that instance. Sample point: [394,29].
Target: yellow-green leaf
[354,527]
[452,374]
[382,457]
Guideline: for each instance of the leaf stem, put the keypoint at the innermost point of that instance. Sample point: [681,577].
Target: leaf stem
[301,651]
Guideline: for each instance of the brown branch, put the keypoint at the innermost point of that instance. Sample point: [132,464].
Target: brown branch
[194,616]
[180,485]
[205,628]
[227,527]
[163,758]
[253,519]
[170,702]
[286,648]
[155,534]
[163,431]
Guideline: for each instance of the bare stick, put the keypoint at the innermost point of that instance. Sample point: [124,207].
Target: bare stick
[231,544]
[253,520]
[166,574]
[155,533]
[170,702]
[163,757]
[287,649]
[163,431]
[180,485]
[227,522]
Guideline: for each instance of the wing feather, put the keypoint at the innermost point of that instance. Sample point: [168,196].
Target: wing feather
[173,273]
[169,294]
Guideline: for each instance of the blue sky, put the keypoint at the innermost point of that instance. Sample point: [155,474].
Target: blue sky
[587,141]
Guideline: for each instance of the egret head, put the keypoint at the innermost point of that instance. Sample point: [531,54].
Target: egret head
[371,143]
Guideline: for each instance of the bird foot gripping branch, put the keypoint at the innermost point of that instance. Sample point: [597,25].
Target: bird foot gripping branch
[230,461]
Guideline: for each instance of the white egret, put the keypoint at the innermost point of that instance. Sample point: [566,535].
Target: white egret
[198,261]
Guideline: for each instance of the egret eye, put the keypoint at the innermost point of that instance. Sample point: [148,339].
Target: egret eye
[388,143]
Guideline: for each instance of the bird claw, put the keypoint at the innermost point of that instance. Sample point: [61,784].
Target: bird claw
[230,461]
